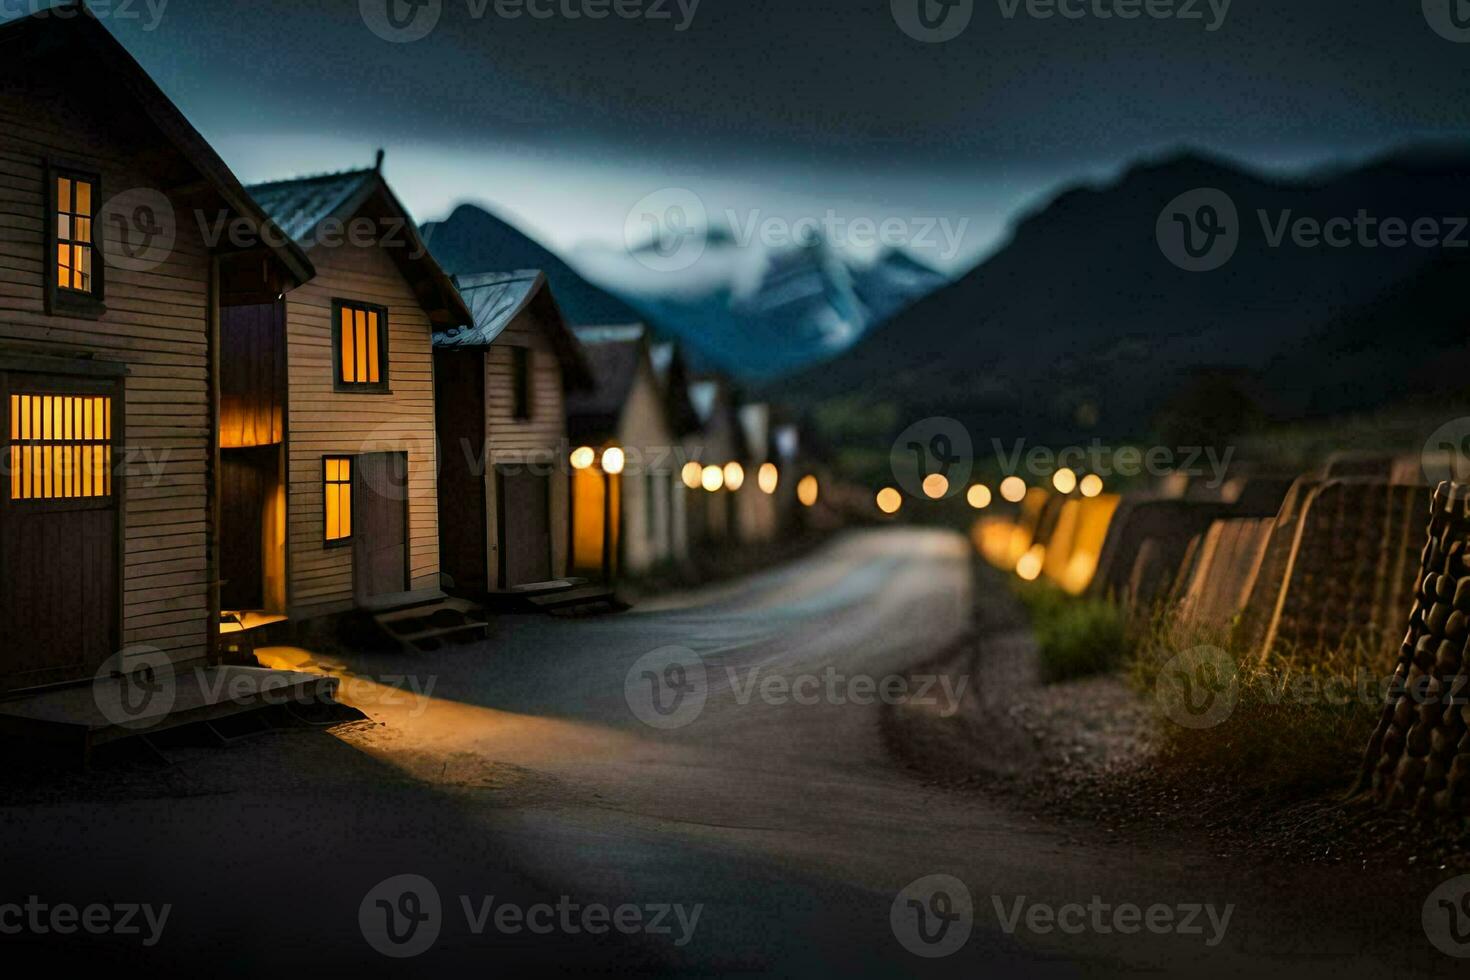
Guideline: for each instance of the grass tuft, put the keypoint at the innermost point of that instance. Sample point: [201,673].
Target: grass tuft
[1076,637]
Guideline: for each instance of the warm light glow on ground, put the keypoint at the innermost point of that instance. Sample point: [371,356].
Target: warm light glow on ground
[1029,567]
[889,500]
[1013,488]
[806,490]
[979,496]
[583,457]
[768,478]
[936,485]
[734,476]
[712,479]
[1092,485]
[1064,480]
[691,474]
[613,460]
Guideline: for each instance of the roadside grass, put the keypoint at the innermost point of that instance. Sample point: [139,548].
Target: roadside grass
[1076,637]
[1300,718]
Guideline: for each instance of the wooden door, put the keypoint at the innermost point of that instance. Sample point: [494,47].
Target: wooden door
[524,523]
[380,531]
[60,595]
[248,480]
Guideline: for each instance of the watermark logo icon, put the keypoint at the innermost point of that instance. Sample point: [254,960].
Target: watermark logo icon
[932,917]
[1446,917]
[136,687]
[401,916]
[1198,688]
[401,21]
[932,21]
[668,230]
[667,688]
[1199,230]
[1450,19]
[1446,453]
[933,458]
[138,230]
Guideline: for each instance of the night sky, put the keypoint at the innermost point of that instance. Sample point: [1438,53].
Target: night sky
[791,106]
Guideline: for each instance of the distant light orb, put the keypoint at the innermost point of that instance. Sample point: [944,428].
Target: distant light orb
[889,500]
[734,476]
[1064,480]
[978,496]
[806,490]
[583,457]
[613,461]
[712,478]
[1091,485]
[1013,489]
[768,478]
[1029,567]
[691,474]
[936,485]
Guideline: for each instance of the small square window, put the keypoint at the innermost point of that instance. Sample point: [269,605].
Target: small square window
[337,493]
[360,345]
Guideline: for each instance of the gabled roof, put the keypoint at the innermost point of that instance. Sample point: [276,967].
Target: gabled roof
[614,354]
[72,24]
[714,403]
[755,426]
[301,205]
[495,299]
[673,377]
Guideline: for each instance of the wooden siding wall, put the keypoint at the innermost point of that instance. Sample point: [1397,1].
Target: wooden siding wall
[326,422]
[509,439]
[645,426]
[156,324]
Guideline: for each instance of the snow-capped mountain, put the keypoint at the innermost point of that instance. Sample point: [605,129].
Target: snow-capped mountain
[760,312]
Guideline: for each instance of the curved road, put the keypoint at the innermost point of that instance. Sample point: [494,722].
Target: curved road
[764,798]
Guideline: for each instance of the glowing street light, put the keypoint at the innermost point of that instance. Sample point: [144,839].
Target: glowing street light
[691,474]
[712,478]
[1091,485]
[1029,567]
[1013,489]
[806,490]
[889,500]
[734,476]
[1064,480]
[936,485]
[978,496]
[768,478]
[613,461]
[583,457]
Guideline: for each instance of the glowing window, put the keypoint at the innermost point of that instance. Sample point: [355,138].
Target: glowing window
[338,493]
[60,447]
[74,203]
[361,345]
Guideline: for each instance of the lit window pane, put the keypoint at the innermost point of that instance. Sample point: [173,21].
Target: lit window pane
[55,452]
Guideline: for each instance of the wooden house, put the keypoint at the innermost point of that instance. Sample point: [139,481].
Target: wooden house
[500,402]
[672,371]
[756,502]
[109,309]
[327,440]
[625,464]
[712,512]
